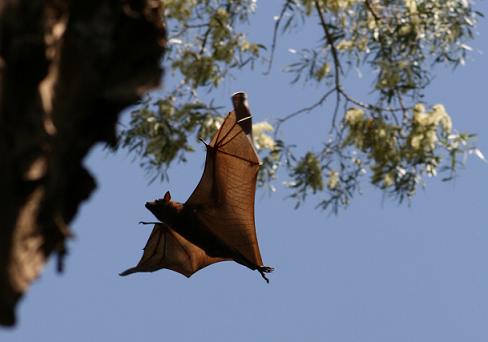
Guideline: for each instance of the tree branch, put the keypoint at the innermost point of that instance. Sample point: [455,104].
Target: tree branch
[330,42]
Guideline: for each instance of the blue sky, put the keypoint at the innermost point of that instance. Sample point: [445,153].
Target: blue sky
[377,272]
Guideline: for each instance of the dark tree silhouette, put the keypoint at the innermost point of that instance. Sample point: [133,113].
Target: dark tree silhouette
[67,69]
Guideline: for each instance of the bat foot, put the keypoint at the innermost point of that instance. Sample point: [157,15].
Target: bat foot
[265,269]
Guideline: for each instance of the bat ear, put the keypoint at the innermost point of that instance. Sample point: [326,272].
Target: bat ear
[167,196]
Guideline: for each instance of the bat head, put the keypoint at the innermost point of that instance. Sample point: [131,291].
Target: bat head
[239,98]
[164,209]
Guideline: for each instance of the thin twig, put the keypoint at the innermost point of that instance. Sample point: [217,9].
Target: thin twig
[337,64]
[403,107]
[275,37]
[303,110]
[336,110]
[372,11]
[330,42]
[370,106]
[204,41]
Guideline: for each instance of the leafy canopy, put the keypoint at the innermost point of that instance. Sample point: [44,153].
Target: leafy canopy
[393,140]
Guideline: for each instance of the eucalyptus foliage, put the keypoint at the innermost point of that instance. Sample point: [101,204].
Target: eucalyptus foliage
[393,140]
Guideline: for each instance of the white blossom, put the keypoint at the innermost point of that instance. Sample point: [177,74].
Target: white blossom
[261,139]
[333,180]
[354,116]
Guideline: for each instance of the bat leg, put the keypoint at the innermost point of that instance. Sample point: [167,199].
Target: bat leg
[265,269]
[143,222]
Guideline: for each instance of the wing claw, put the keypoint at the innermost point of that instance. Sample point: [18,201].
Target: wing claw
[144,222]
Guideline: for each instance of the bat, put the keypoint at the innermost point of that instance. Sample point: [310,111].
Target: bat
[216,223]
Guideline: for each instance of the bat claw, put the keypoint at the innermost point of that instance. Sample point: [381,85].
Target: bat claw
[265,269]
[144,222]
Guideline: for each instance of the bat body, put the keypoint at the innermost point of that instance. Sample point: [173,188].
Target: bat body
[216,223]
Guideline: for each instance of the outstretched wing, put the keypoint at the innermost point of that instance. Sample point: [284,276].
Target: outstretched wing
[166,248]
[224,199]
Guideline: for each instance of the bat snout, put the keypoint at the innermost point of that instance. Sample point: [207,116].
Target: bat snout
[151,204]
[154,204]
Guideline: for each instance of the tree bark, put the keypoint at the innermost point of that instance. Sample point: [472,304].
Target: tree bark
[67,69]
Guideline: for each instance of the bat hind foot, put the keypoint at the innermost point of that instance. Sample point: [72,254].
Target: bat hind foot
[263,270]
[266,269]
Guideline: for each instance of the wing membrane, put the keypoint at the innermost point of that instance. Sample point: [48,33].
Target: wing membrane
[224,199]
[166,248]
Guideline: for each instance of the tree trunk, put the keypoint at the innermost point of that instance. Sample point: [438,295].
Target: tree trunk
[67,69]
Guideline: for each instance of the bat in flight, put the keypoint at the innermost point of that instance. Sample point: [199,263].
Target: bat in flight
[217,222]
